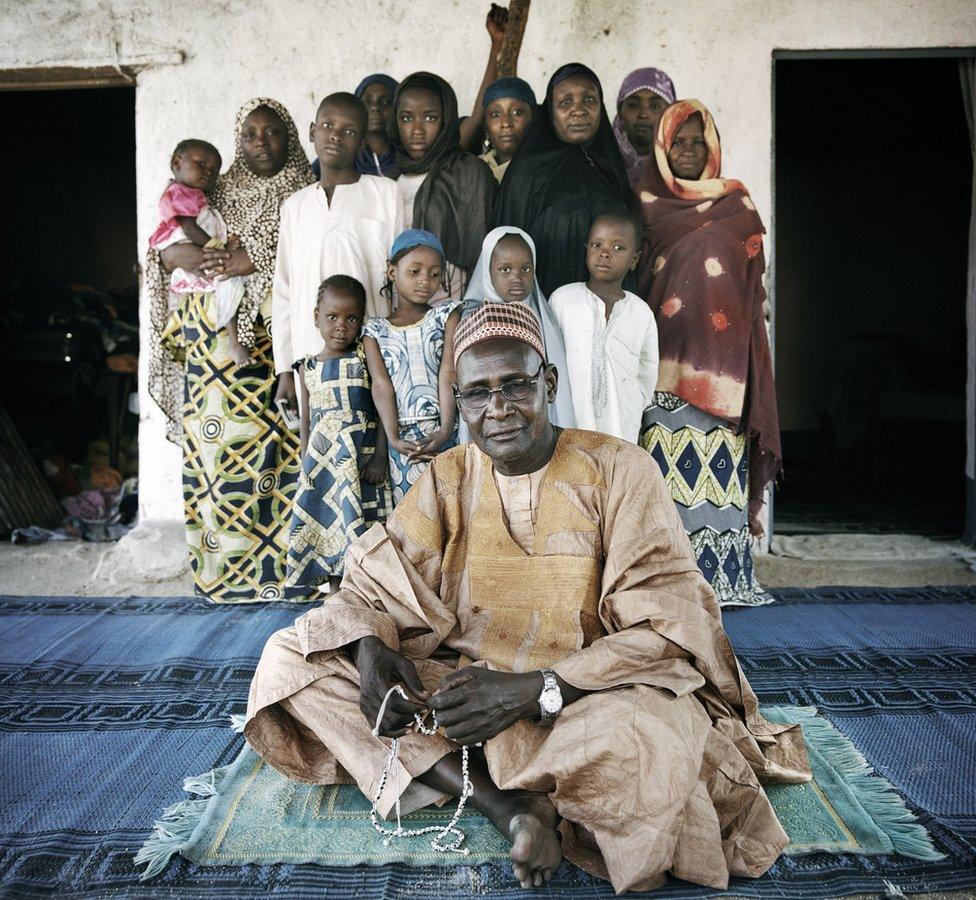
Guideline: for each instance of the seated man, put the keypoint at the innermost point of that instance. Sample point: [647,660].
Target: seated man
[537,590]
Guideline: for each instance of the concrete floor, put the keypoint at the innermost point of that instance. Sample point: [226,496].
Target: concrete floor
[151,561]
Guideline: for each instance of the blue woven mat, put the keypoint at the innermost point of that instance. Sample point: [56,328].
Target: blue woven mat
[107,704]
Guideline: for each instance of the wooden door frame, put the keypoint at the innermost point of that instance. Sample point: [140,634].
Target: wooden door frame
[969,533]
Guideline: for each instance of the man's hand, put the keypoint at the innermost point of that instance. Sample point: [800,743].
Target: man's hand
[379,669]
[475,704]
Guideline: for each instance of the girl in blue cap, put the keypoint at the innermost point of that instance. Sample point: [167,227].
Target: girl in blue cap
[411,390]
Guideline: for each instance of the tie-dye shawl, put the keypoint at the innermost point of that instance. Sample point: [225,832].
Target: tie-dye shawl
[702,274]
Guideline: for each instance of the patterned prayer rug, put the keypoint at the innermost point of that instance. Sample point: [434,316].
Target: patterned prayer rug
[107,705]
[249,813]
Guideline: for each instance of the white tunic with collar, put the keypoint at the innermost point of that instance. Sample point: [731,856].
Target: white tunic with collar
[628,363]
[351,235]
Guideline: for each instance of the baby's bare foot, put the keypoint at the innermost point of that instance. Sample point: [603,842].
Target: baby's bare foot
[242,359]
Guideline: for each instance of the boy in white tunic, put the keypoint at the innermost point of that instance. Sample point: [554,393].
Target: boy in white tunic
[341,225]
[609,333]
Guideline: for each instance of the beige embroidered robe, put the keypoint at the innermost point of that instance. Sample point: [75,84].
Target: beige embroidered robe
[656,771]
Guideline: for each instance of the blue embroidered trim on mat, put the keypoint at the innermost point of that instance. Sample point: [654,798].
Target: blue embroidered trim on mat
[249,813]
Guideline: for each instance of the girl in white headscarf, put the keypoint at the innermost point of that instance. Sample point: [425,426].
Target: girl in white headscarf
[505,273]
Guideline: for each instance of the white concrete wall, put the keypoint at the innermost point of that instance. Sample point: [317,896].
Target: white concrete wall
[719,51]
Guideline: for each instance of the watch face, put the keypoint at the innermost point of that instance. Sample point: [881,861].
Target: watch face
[550,701]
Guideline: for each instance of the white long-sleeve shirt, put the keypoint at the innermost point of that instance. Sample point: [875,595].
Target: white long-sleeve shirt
[350,236]
[629,359]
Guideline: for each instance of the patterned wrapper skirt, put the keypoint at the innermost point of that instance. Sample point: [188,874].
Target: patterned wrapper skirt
[403,473]
[706,467]
[240,461]
[334,505]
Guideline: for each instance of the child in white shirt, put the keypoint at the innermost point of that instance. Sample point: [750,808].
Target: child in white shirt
[610,334]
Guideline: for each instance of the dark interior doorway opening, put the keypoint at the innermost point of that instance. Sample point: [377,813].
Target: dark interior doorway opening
[873,174]
[69,283]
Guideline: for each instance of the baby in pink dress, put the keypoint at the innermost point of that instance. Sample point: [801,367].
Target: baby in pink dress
[186,216]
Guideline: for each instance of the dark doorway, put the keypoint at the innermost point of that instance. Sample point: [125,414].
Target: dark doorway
[69,282]
[872,175]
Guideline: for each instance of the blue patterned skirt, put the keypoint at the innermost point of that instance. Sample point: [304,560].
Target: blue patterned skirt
[706,467]
[334,505]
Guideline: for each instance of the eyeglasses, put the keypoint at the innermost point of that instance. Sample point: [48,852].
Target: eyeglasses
[517,390]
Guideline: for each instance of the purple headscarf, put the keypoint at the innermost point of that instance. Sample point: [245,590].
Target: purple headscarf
[649,79]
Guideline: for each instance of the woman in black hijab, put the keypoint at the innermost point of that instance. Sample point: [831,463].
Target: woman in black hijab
[567,172]
[442,188]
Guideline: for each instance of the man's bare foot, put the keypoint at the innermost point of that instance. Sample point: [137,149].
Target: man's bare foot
[536,851]
[526,818]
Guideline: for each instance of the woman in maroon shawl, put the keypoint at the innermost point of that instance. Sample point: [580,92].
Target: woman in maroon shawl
[713,427]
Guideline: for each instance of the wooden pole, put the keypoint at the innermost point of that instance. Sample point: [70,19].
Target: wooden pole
[518,14]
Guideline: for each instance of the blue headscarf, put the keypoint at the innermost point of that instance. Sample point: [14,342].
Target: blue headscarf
[367,162]
[415,237]
[509,87]
[376,78]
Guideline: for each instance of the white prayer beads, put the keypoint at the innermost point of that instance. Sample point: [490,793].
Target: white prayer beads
[467,789]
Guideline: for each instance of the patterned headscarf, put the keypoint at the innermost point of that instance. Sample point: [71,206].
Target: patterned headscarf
[251,207]
[709,186]
[701,274]
[165,373]
[499,320]
[647,79]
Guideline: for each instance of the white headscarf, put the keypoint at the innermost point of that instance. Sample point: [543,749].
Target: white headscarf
[480,290]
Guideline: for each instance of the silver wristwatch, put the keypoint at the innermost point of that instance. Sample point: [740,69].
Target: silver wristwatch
[551,698]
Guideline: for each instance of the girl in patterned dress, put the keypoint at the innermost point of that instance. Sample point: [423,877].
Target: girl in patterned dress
[343,487]
[411,389]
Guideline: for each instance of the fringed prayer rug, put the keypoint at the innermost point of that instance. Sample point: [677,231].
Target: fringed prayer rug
[249,813]
[108,704]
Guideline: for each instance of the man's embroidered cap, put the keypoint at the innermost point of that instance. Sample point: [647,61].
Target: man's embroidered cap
[499,320]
